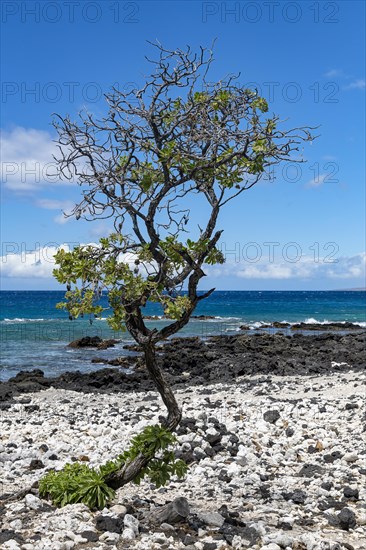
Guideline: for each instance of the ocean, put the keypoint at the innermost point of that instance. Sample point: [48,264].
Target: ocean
[34,334]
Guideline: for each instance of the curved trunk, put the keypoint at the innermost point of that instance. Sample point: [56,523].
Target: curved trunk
[132,469]
[174,412]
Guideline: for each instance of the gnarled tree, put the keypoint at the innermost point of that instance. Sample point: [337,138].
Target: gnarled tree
[159,149]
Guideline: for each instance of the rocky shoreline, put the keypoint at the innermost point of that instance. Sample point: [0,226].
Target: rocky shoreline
[272,431]
[193,361]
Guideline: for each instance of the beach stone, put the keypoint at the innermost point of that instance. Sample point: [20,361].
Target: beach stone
[118,509]
[351,493]
[7,534]
[211,518]
[281,539]
[298,496]
[310,470]
[346,519]
[90,536]
[132,523]
[128,534]
[108,523]
[351,457]
[111,537]
[331,457]
[36,464]
[189,540]
[171,513]
[167,527]
[11,545]
[33,502]
[17,524]
[271,416]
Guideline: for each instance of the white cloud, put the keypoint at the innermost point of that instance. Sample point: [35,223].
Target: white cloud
[359,84]
[27,161]
[334,73]
[39,263]
[53,204]
[354,83]
[306,267]
[318,180]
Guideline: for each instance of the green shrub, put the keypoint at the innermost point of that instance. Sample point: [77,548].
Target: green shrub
[80,483]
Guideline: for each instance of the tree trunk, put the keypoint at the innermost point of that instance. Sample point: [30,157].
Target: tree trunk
[132,469]
[174,412]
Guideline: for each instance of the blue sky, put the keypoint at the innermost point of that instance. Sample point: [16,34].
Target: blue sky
[306,230]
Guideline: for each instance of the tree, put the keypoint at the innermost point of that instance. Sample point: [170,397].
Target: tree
[179,138]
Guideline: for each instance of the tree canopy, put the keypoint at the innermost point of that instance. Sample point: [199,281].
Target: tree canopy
[178,136]
[178,139]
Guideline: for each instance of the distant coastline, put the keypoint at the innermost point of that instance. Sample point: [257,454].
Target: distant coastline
[361,289]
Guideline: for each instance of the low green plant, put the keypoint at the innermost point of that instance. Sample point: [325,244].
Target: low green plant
[76,483]
[80,483]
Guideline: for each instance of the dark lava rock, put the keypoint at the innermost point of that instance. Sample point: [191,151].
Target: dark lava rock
[8,534]
[107,523]
[265,491]
[310,470]
[298,496]
[330,458]
[36,464]
[346,519]
[265,354]
[330,502]
[213,439]
[271,416]
[290,432]
[351,493]
[85,342]
[350,406]
[329,326]
[249,535]
[188,540]
[91,536]
[31,408]
[284,525]
[231,517]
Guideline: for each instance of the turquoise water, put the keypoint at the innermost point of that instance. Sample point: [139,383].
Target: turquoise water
[34,334]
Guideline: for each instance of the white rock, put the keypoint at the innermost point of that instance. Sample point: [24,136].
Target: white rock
[11,545]
[132,523]
[288,519]
[234,469]
[211,518]
[351,457]
[33,502]
[271,546]
[118,509]
[309,540]
[128,534]
[110,537]
[17,524]
[278,538]
[167,527]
